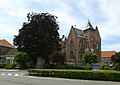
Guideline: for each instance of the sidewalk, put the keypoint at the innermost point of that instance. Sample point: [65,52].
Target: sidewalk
[13,70]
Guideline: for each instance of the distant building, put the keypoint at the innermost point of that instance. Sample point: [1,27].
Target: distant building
[106,57]
[80,41]
[7,52]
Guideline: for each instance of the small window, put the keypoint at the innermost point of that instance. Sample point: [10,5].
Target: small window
[102,58]
[86,44]
[106,58]
[7,60]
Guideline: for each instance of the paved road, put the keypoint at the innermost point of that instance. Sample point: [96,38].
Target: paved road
[27,80]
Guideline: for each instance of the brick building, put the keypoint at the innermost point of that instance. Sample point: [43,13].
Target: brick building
[80,41]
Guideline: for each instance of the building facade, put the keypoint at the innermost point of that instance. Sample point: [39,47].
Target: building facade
[80,41]
[106,57]
[7,52]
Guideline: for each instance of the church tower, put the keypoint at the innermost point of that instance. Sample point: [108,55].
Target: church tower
[92,40]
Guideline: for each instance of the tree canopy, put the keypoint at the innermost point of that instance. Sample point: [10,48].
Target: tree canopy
[116,58]
[90,58]
[39,36]
[57,57]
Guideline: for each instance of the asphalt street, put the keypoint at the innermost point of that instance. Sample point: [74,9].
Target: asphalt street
[30,80]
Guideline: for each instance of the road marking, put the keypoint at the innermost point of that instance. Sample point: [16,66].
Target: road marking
[16,74]
[9,74]
[2,74]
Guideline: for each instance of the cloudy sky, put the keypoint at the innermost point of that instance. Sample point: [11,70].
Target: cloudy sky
[102,13]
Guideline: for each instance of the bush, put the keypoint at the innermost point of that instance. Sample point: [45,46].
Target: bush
[77,74]
[105,67]
[10,66]
[116,67]
[3,65]
[65,66]
[83,67]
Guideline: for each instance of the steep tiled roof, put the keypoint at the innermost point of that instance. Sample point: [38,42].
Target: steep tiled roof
[5,43]
[106,54]
[78,32]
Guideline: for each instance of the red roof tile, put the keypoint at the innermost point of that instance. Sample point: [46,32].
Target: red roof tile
[3,42]
[105,54]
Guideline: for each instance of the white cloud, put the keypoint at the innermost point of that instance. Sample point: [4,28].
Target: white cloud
[111,11]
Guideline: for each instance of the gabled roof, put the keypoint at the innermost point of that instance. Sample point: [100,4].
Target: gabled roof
[5,43]
[78,32]
[107,54]
[7,50]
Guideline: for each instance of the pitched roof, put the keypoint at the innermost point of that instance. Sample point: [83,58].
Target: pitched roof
[7,50]
[106,54]
[4,42]
[11,51]
[78,32]
[89,25]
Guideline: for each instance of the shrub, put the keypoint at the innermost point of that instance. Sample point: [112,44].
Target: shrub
[116,67]
[105,67]
[10,66]
[77,74]
[2,65]
[65,66]
[83,67]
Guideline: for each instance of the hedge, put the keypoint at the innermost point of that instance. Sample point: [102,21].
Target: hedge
[65,66]
[77,74]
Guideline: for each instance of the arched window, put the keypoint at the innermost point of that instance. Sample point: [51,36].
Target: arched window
[86,44]
[71,56]
[92,42]
[97,45]
[81,43]
[71,44]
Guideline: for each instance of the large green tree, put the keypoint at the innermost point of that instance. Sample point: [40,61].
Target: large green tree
[39,36]
[90,58]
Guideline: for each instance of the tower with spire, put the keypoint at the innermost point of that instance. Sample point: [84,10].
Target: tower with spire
[80,41]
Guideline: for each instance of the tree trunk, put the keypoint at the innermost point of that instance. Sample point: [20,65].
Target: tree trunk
[40,62]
